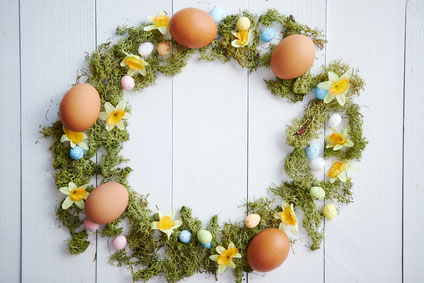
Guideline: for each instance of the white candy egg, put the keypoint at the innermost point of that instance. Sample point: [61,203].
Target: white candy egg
[334,120]
[317,164]
[145,49]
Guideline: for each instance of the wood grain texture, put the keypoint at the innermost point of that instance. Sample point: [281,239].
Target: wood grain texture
[413,227]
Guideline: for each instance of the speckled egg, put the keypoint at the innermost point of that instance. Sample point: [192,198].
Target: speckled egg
[329,211]
[90,226]
[164,48]
[145,49]
[204,236]
[243,23]
[185,236]
[216,14]
[317,164]
[312,151]
[317,193]
[119,242]
[267,34]
[208,245]
[252,220]
[320,93]
[334,120]
[76,152]
[127,82]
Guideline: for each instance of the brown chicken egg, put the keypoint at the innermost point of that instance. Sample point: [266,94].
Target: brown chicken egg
[80,107]
[293,56]
[106,203]
[193,28]
[268,250]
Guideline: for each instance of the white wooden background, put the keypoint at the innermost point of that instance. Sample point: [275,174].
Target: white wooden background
[214,135]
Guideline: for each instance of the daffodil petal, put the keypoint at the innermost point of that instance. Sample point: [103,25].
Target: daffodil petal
[346,75]
[231,245]
[294,229]
[349,143]
[342,176]
[332,77]
[64,138]
[80,204]
[329,97]
[72,186]
[67,203]
[148,28]
[237,255]
[284,204]
[64,190]
[126,116]
[338,146]
[120,125]
[72,144]
[154,225]
[162,30]
[214,257]
[221,268]
[109,127]
[232,264]
[332,180]
[109,107]
[83,145]
[160,213]
[121,105]
[103,116]
[324,85]
[282,226]
[235,44]
[143,72]
[341,99]
[178,223]
[220,249]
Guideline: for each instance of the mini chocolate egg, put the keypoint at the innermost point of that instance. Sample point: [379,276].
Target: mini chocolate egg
[329,211]
[312,151]
[106,203]
[185,236]
[193,28]
[243,23]
[216,14]
[145,49]
[293,56]
[164,48]
[267,34]
[268,250]
[252,220]
[317,164]
[80,107]
[127,82]
[208,245]
[317,193]
[76,152]
[90,226]
[320,93]
[204,236]
[119,242]
[334,120]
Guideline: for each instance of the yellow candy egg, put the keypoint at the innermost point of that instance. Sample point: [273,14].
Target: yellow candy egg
[243,23]
[329,211]
[252,220]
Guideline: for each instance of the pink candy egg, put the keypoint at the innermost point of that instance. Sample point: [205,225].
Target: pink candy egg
[119,242]
[90,226]
[127,82]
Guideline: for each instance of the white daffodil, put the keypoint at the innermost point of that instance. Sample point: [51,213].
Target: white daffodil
[166,223]
[288,217]
[225,257]
[75,138]
[339,171]
[75,195]
[135,64]
[115,116]
[338,140]
[160,22]
[337,87]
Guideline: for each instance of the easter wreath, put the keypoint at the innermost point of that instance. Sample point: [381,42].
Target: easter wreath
[109,67]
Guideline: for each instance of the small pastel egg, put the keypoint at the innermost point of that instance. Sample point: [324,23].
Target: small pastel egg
[317,164]
[312,151]
[329,211]
[164,48]
[185,236]
[119,242]
[76,152]
[320,93]
[317,193]
[204,236]
[267,34]
[208,245]
[145,49]
[252,220]
[127,82]
[334,120]
[216,14]
[90,226]
[243,23]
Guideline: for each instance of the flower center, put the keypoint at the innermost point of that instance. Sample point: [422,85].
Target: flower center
[115,117]
[165,223]
[243,37]
[337,139]
[227,256]
[75,137]
[134,63]
[161,21]
[340,87]
[287,216]
[77,194]
[336,169]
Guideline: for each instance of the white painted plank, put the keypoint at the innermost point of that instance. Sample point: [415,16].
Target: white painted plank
[150,127]
[269,117]
[413,228]
[55,37]
[364,243]
[10,206]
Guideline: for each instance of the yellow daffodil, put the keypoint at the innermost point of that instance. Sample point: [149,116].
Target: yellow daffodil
[75,195]
[339,171]
[166,223]
[287,217]
[114,116]
[243,38]
[160,22]
[225,257]
[338,140]
[337,87]
[135,64]
[75,138]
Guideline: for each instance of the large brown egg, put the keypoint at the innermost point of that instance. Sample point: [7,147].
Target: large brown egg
[293,56]
[268,250]
[193,28]
[106,203]
[80,107]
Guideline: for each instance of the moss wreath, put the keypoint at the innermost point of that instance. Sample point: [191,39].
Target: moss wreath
[183,260]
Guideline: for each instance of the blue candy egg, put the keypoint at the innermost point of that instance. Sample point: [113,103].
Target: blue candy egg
[216,14]
[320,93]
[76,152]
[312,151]
[267,34]
[185,236]
[208,245]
